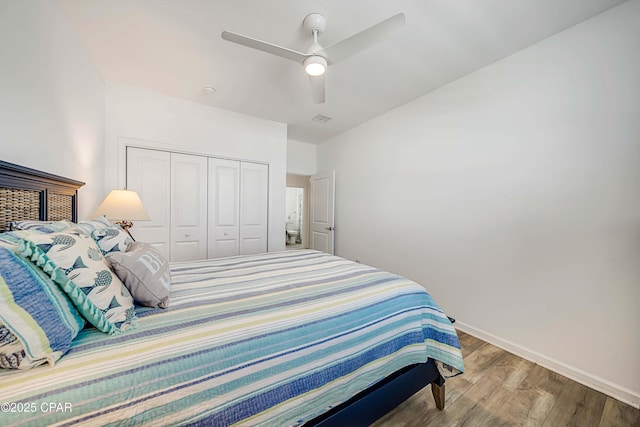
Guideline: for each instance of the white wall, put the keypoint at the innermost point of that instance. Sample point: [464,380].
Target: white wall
[301,158]
[51,98]
[513,195]
[151,120]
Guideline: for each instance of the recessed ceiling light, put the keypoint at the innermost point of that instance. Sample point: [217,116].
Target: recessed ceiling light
[209,90]
[320,118]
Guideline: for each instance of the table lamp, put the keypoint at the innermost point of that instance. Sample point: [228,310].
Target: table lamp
[122,207]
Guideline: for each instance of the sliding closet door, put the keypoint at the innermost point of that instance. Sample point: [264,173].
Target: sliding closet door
[224,204]
[148,173]
[254,199]
[188,207]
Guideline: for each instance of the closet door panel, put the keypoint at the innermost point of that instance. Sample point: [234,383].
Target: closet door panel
[149,174]
[188,207]
[254,185]
[224,201]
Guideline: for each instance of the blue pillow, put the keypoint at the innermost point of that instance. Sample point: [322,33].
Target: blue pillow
[37,321]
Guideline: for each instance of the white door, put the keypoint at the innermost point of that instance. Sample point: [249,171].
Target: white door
[188,207]
[149,174]
[254,199]
[224,208]
[322,191]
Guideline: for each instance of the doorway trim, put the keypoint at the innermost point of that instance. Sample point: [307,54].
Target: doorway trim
[302,181]
[322,201]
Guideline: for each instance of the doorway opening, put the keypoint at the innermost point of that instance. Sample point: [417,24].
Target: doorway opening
[296,212]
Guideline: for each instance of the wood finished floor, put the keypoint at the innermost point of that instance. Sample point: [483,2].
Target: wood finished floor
[501,389]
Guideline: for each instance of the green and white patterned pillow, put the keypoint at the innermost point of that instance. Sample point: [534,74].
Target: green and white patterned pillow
[75,263]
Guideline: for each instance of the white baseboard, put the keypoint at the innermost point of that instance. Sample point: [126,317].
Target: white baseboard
[600,384]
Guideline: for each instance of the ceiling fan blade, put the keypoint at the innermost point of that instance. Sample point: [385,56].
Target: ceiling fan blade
[317,88]
[364,39]
[264,46]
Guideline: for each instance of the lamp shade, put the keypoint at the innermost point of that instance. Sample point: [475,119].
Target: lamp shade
[123,205]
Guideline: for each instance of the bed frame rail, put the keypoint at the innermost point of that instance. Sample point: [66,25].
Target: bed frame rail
[371,404]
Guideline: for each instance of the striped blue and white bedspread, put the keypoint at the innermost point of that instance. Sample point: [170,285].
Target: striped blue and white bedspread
[273,339]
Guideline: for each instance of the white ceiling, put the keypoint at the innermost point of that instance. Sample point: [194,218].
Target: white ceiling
[174,47]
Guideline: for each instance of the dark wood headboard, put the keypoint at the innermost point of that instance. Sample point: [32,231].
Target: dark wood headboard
[29,194]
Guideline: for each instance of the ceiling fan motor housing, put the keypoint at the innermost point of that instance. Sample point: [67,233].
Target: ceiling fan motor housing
[314,21]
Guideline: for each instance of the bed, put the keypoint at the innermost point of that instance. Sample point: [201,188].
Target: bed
[282,338]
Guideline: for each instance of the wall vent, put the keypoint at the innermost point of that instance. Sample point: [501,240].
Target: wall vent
[320,118]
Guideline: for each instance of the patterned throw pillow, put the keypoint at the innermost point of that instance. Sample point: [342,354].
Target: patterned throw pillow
[42,226]
[37,321]
[145,273]
[88,227]
[75,263]
[112,239]
[27,224]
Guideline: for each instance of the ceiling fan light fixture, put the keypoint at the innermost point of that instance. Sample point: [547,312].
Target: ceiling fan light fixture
[315,65]
[316,58]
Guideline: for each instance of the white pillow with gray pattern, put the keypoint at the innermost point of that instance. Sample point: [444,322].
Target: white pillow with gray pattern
[112,239]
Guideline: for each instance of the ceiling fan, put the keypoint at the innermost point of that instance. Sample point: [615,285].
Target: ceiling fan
[316,59]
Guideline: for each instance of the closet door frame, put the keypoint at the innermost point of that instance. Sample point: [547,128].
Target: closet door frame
[256,234]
